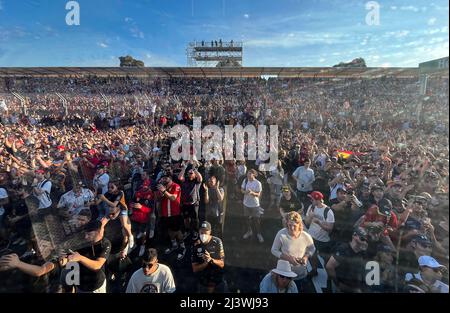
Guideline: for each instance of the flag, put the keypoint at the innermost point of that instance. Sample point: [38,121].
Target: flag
[344,154]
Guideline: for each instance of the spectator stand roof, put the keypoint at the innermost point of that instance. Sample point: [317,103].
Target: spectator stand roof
[198,72]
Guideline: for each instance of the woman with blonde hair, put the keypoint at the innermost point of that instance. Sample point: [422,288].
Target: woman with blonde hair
[294,245]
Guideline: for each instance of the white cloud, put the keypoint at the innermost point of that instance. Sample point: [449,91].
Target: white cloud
[134,29]
[432,31]
[246,16]
[393,7]
[410,8]
[386,64]
[102,44]
[322,60]
[296,39]
[397,34]
[431,21]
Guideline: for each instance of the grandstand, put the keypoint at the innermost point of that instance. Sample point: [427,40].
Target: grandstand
[213,72]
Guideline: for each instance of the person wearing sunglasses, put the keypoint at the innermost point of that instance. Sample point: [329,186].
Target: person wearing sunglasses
[346,267]
[152,277]
[279,280]
[430,274]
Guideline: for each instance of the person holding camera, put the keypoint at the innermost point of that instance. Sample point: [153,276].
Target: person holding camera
[169,194]
[208,261]
[92,259]
[347,210]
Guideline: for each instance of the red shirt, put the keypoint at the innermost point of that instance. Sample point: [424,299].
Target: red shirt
[373,216]
[168,207]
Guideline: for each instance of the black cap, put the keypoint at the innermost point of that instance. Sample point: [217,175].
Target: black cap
[412,223]
[385,248]
[361,232]
[93,226]
[385,206]
[422,239]
[205,225]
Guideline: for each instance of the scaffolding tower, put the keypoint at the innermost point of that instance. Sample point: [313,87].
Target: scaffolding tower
[214,53]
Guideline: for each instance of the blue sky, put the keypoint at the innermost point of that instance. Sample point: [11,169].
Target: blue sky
[275,32]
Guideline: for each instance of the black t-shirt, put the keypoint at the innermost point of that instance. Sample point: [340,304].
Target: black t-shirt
[120,196]
[89,279]
[345,219]
[212,273]
[290,205]
[351,269]
[190,191]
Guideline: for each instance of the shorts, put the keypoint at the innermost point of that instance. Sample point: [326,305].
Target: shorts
[253,212]
[323,247]
[172,223]
[190,211]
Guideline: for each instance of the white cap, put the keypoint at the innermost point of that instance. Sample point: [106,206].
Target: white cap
[428,261]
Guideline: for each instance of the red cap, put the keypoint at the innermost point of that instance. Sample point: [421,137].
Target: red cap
[40,171]
[60,148]
[316,195]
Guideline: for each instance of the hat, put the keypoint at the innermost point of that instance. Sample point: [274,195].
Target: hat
[361,232]
[385,206]
[285,188]
[428,261]
[426,196]
[206,226]
[284,268]
[60,148]
[316,195]
[39,171]
[93,226]
[422,239]
[412,223]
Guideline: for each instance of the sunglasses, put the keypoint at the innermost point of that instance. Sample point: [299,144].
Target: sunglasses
[284,277]
[148,265]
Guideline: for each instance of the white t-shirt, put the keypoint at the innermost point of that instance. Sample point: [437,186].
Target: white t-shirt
[255,186]
[317,232]
[3,195]
[101,181]
[75,203]
[161,281]
[305,178]
[297,247]
[44,199]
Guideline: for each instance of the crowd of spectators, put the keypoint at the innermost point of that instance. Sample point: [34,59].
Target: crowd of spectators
[362,176]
